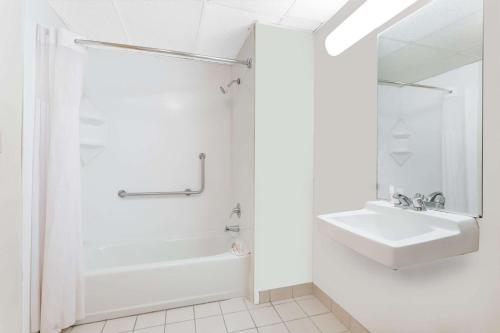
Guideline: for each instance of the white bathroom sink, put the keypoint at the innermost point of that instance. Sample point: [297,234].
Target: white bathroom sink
[399,237]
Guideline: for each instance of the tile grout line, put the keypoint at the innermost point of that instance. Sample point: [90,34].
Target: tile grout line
[194,319]
[329,311]
[282,321]
[294,300]
[250,314]
[135,323]
[281,20]
[247,309]
[122,21]
[223,319]
[165,323]
[310,317]
[200,22]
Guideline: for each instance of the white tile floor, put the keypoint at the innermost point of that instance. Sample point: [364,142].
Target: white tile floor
[295,315]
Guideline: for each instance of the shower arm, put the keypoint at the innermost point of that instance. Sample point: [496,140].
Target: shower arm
[238,81]
[123,194]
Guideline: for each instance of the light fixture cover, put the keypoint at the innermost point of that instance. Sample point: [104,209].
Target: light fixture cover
[368,17]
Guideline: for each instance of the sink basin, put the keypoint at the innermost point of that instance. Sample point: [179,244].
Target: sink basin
[398,237]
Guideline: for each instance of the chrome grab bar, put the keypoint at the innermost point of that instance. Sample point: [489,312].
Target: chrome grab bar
[123,194]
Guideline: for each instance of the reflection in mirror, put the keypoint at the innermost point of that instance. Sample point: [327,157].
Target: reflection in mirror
[430,106]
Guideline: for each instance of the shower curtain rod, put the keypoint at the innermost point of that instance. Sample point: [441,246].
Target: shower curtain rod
[170,53]
[416,85]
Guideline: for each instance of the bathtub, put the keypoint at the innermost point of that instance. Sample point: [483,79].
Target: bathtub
[131,278]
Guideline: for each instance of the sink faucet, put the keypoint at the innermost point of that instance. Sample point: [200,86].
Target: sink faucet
[436,200]
[402,201]
[418,202]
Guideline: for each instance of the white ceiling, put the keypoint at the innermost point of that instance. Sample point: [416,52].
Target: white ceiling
[212,27]
[444,35]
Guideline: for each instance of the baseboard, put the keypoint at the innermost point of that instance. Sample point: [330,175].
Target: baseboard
[345,318]
[299,290]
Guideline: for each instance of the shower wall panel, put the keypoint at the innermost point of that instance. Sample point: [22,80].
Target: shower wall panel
[160,113]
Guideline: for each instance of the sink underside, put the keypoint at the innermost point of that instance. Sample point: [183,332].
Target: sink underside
[398,238]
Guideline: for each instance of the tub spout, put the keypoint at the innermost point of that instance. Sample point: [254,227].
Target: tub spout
[233,228]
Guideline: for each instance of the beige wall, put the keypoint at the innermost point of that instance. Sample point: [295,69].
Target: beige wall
[460,294]
[11,81]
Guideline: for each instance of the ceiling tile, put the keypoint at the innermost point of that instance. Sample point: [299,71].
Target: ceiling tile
[411,56]
[223,30]
[300,23]
[93,19]
[430,68]
[319,10]
[387,46]
[170,24]
[461,35]
[276,8]
[474,51]
[436,15]
[444,35]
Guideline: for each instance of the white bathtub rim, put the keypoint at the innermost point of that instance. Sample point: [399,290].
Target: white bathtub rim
[159,306]
[104,244]
[161,264]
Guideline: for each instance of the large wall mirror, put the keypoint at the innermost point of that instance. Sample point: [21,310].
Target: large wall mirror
[430,106]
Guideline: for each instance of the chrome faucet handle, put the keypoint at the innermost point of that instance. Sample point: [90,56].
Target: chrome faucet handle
[435,195]
[418,202]
[402,201]
[436,200]
[236,210]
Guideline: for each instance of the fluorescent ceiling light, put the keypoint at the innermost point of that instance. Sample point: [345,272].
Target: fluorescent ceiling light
[368,17]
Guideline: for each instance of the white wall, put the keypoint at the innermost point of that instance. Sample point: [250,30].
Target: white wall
[11,88]
[160,114]
[243,147]
[455,295]
[283,157]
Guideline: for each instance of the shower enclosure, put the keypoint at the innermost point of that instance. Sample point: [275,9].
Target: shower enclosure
[178,180]
[163,153]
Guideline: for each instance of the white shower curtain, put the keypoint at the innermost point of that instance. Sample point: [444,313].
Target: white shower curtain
[57,280]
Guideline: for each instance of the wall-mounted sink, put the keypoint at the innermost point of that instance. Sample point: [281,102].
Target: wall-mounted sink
[397,237]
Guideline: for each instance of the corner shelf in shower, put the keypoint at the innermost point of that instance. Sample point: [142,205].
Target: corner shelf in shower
[401,135]
[93,131]
[92,144]
[91,119]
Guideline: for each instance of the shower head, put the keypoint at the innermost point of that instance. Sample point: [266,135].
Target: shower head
[224,91]
[238,81]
